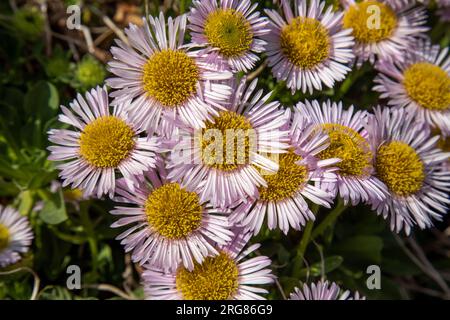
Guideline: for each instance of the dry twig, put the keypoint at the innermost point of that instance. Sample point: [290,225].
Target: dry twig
[109,288]
[100,54]
[258,71]
[110,24]
[37,281]
[422,262]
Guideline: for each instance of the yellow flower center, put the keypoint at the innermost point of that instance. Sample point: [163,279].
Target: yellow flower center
[371,21]
[289,178]
[228,30]
[106,141]
[349,146]
[305,42]
[399,166]
[215,279]
[4,237]
[173,211]
[170,77]
[226,142]
[428,85]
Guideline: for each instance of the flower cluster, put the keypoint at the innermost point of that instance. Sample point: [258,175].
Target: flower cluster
[198,158]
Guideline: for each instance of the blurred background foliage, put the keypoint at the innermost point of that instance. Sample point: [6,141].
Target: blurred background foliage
[44,65]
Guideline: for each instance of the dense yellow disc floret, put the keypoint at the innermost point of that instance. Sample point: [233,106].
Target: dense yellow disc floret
[106,142]
[289,178]
[428,85]
[349,146]
[362,18]
[400,167]
[173,211]
[170,77]
[233,150]
[4,237]
[215,279]
[305,42]
[229,31]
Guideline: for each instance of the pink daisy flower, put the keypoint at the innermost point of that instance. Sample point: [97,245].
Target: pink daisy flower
[420,83]
[227,276]
[283,200]
[15,236]
[307,47]
[162,80]
[382,29]
[323,290]
[231,31]
[402,3]
[349,141]
[226,161]
[168,225]
[408,162]
[100,144]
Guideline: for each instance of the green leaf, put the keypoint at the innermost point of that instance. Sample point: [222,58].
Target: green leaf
[361,249]
[7,188]
[353,274]
[329,264]
[55,293]
[9,171]
[42,101]
[54,210]
[41,178]
[26,202]
[11,103]
[105,259]
[289,283]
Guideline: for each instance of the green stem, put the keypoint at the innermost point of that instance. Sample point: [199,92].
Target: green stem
[348,83]
[329,219]
[305,239]
[87,224]
[93,247]
[77,240]
[44,196]
[299,259]
[182,6]
[10,140]
[146,8]
[276,90]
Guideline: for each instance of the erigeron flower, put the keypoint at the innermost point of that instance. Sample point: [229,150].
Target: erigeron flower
[307,47]
[100,144]
[382,30]
[323,290]
[227,276]
[224,161]
[231,30]
[283,201]
[164,82]
[349,141]
[408,162]
[420,83]
[168,225]
[15,236]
